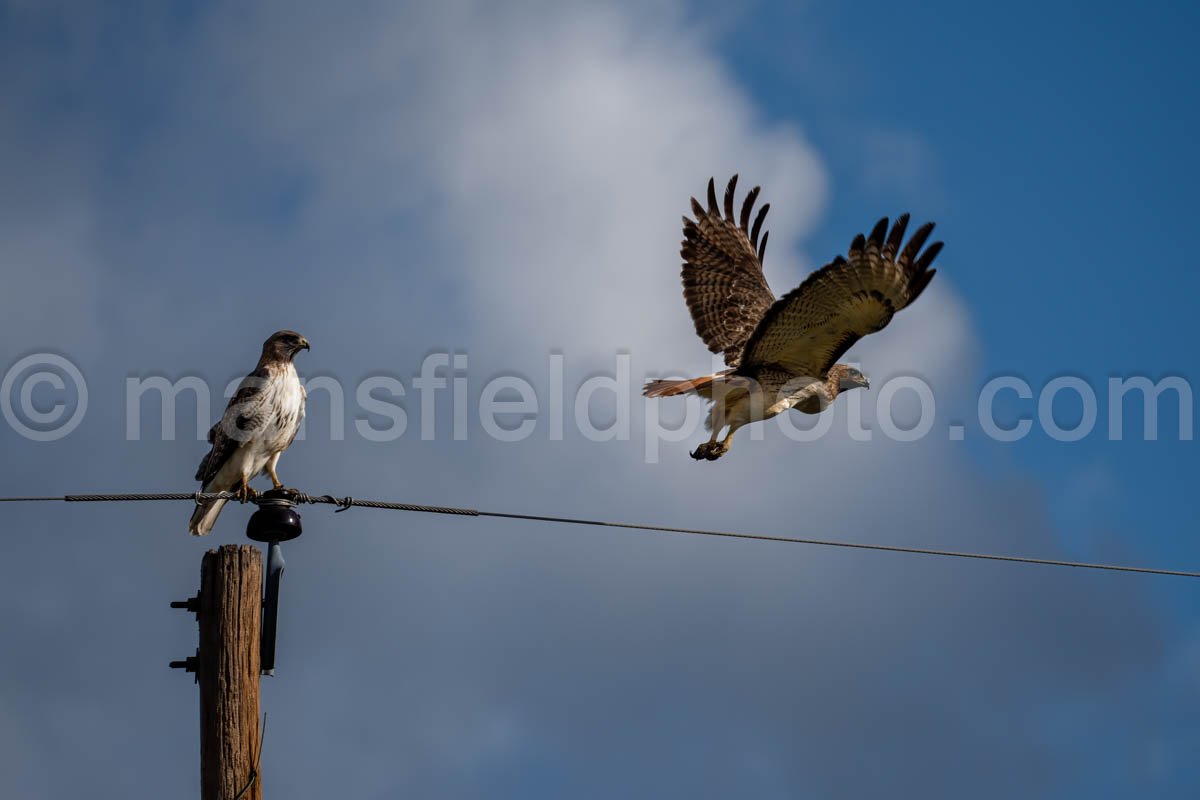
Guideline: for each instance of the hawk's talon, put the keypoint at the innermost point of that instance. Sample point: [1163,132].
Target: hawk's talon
[247,493]
[710,451]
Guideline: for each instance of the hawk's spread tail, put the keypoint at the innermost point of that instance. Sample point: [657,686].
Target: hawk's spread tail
[205,516]
[701,386]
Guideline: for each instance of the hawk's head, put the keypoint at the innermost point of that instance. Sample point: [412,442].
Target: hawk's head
[283,346]
[851,378]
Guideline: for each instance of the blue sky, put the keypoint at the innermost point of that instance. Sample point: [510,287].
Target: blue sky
[507,183]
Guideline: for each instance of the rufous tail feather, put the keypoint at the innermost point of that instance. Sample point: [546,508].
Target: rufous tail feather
[702,386]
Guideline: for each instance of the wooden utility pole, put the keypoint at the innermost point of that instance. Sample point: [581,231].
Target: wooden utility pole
[227,668]
[233,616]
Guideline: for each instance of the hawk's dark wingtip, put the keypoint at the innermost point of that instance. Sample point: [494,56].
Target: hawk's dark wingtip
[878,232]
[927,257]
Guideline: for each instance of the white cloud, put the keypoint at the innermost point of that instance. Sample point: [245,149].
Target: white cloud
[553,148]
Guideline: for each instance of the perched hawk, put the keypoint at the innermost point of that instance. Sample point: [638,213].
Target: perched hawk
[259,423]
[783,353]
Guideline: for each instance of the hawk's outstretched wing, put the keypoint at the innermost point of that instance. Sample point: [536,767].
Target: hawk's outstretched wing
[812,326]
[723,280]
[245,413]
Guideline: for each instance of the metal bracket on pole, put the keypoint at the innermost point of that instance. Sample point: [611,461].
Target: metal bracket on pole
[274,572]
[191,663]
[275,521]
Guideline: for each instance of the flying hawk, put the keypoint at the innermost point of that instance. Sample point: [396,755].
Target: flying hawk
[259,423]
[783,353]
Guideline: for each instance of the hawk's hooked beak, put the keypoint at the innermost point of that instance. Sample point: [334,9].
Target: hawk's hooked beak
[304,345]
[866,384]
